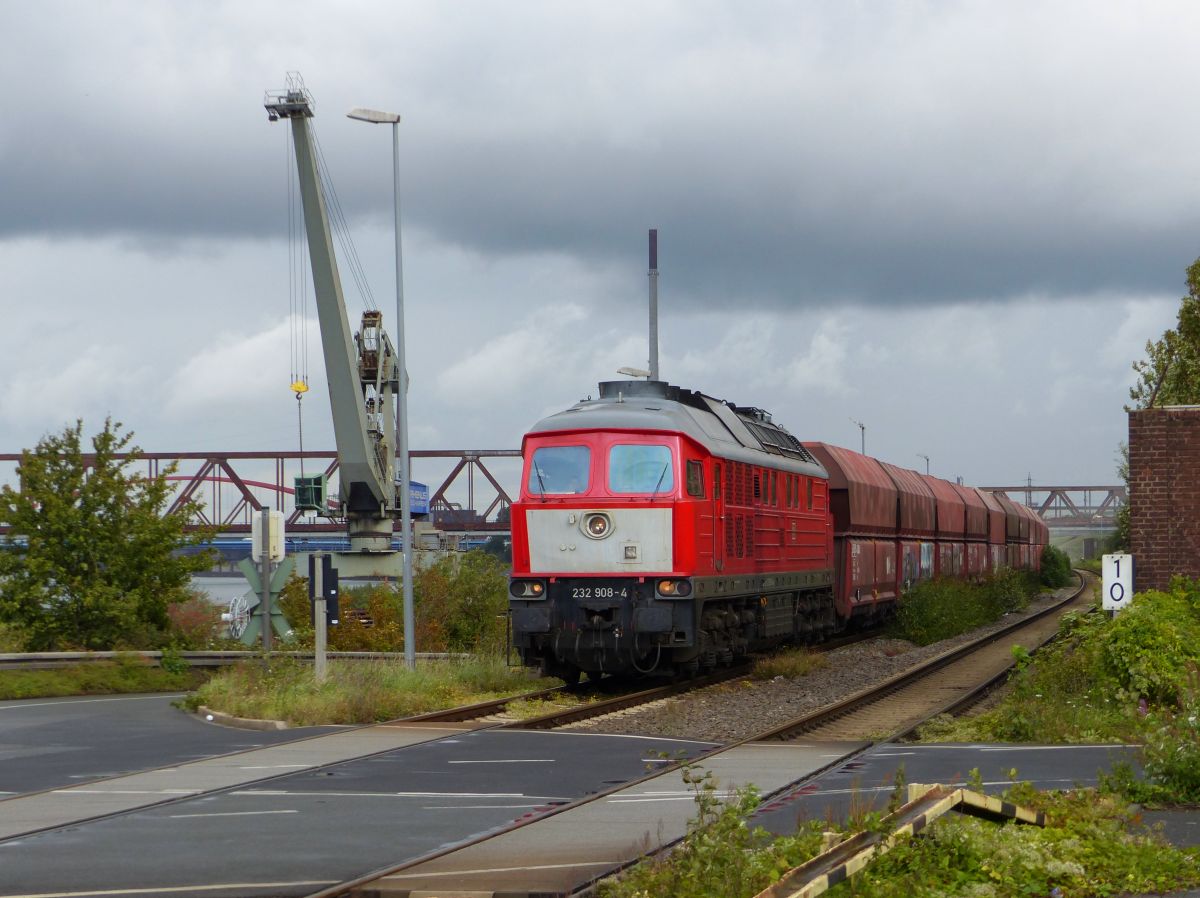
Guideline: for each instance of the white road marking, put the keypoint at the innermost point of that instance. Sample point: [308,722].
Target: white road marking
[509,761]
[77,791]
[472,807]
[619,863]
[230,814]
[1055,747]
[956,785]
[88,701]
[274,766]
[163,890]
[644,800]
[265,793]
[617,736]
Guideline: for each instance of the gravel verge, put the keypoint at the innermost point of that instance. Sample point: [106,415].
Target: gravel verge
[739,709]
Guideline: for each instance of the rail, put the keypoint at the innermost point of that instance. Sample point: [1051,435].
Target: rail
[50,660]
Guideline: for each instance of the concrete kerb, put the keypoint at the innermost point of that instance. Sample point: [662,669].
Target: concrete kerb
[242,723]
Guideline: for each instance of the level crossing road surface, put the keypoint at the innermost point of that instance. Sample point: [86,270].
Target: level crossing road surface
[866,781]
[296,832]
[48,743]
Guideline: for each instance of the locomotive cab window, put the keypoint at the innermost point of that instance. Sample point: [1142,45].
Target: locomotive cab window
[559,470]
[695,479]
[640,469]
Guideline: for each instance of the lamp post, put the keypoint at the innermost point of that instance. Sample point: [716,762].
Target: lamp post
[862,433]
[926,457]
[376,117]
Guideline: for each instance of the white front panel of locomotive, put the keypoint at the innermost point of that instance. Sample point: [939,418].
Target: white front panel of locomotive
[639,540]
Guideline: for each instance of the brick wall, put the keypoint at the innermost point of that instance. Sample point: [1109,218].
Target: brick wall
[1164,494]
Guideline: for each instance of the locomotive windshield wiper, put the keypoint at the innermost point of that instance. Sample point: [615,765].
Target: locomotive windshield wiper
[541,483]
[660,478]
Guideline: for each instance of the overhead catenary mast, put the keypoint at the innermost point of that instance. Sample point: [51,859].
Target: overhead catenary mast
[361,368]
[653,276]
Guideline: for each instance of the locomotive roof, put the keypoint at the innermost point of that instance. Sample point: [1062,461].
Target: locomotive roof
[740,433]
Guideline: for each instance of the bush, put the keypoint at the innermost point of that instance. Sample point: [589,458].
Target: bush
[195,624]
[938,609]
[1056,567]
[1149,647]
[1171,754]
[13,638]
[460,604]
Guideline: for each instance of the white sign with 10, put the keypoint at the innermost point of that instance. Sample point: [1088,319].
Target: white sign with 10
[1118,582]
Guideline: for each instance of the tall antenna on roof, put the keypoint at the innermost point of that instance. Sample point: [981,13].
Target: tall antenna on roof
[653,275]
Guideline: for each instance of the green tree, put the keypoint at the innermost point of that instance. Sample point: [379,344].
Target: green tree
[91,560]
[1121,539]
[1170,373]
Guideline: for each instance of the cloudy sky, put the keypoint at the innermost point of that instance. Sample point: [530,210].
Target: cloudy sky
[955,222]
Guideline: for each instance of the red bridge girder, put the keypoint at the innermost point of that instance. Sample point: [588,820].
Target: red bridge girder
[225,482]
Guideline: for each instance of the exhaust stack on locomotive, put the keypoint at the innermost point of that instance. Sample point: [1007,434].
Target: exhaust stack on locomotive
[662,530]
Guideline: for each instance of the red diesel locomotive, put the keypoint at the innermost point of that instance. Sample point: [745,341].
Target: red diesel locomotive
[662,530]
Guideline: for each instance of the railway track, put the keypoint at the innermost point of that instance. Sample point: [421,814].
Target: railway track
[944,685]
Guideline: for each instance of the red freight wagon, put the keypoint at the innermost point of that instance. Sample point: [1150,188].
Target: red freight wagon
[917,526]
[997,530]
[976,531]
[950,558]
[863,503]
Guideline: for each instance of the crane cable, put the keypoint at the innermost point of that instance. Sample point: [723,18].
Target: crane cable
[297,298]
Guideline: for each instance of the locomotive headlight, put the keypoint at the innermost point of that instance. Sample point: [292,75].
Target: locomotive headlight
[527,589]
[674,589]
[597,525]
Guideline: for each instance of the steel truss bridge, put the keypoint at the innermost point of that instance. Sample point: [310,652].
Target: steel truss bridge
[1070,506]
[231,486]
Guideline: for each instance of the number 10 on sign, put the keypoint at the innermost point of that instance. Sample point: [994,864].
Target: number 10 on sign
[1118,582]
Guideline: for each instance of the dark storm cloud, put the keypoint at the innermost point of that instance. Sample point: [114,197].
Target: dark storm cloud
[945,154]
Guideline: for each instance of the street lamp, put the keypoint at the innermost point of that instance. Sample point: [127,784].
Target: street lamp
[375,117]
[862,433]
[926,457]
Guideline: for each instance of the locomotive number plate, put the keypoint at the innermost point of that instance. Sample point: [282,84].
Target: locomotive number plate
[599,592]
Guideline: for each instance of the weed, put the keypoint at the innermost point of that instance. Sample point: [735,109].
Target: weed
[789,663]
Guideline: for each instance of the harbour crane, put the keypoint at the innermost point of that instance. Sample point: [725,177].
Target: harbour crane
[362,368]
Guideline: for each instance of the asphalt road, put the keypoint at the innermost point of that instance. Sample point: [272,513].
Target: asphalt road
[55,742]
[301,831]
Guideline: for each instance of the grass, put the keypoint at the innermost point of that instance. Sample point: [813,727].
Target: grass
[358,691]
[790,664]
[524,709]
[125,674]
